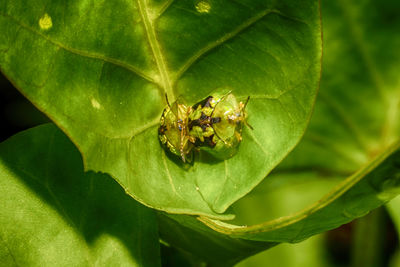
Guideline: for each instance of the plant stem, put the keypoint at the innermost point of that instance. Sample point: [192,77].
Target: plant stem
[368,240]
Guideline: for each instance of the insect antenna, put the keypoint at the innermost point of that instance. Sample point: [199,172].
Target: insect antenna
[247,101]
[244,107]
[166,99]
[248,125]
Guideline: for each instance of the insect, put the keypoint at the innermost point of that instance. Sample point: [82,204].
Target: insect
[216,124]
[173,131]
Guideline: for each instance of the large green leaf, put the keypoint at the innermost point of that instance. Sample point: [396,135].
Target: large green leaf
[100,70]
[354,133]
[355,127]
[367,189]
[357,115]
[54,214]
[187,233]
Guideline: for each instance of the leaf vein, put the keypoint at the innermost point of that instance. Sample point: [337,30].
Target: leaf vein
[226,178]
[145,127]
[156,49]
[84,53]
[251,134]
[351,126]
[168,173]
[164,7]
[222,40]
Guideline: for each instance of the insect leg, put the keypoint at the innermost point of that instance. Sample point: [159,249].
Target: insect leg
[166,98]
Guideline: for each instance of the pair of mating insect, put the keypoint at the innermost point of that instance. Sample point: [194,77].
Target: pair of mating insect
[213,125]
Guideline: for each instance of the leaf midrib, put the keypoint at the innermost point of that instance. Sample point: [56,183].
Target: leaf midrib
[148,23]
[223,39]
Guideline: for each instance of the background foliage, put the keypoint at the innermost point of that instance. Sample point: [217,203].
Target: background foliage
[108,102]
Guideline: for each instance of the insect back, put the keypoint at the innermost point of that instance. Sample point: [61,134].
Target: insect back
[173,130]
[216,124]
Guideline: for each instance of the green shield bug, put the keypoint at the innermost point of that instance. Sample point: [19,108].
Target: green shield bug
[216,124]
[173,130]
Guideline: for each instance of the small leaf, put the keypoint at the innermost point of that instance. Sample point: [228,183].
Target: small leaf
[54,214]
[100,71]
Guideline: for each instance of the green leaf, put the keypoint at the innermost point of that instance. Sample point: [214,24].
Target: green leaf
[54,214]
[394,210]
[354,133]
[357,115]
[100,70]
[205,245]
[279,200]
[355,127]
[190,235]
[281,194]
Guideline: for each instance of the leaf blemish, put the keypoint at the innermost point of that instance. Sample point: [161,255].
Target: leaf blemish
[203,6]
[45,22]
[95,103]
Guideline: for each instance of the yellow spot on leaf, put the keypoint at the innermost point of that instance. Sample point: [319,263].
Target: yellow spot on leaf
[95,104]
[203,6]
[45,22]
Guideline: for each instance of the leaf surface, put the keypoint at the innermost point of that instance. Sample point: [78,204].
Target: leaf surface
[348,161]
[357,115]
[355,127]
[186,233]
[354,197]
[100,70]
[54,214]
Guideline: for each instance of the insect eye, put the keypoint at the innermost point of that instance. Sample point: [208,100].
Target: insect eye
[215,120]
